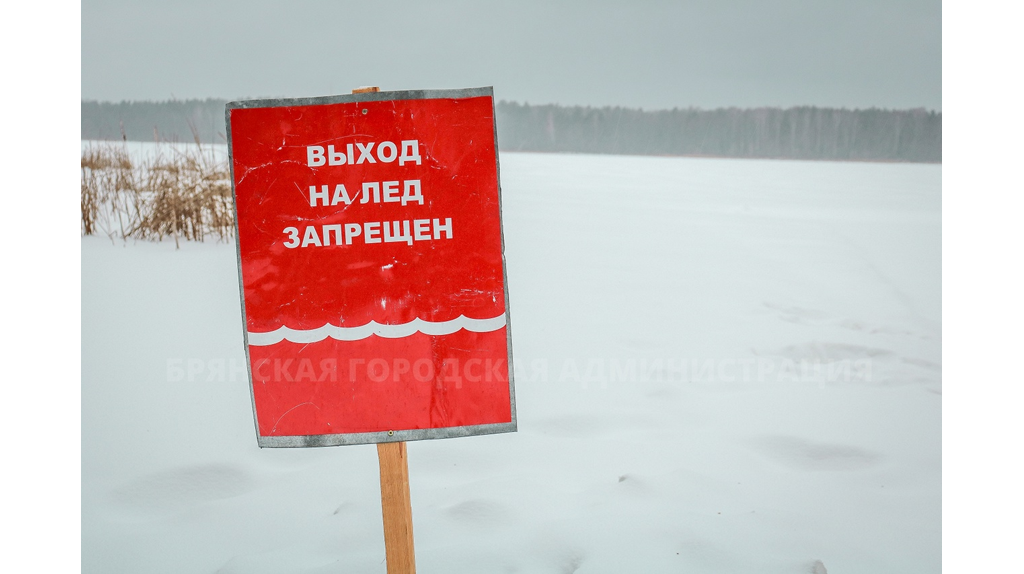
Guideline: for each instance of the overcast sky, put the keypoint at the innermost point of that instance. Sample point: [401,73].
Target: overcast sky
[650,54]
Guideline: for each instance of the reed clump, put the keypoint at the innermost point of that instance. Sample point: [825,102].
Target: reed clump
[180,192]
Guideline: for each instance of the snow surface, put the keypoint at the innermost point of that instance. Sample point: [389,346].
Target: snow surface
[743,458]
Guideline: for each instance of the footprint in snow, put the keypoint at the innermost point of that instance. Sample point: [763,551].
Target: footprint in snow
[478,512]
[176,489]
[806,455]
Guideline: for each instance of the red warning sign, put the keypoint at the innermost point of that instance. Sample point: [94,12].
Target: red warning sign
[371,266]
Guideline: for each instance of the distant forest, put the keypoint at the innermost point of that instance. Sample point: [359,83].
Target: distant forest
[805,132]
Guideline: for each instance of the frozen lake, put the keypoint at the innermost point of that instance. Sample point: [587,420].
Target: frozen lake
[721,366]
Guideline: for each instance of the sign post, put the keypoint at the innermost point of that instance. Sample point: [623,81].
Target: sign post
[396,507]
[372,276]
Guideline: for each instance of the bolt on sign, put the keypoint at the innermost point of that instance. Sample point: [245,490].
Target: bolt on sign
[371,267]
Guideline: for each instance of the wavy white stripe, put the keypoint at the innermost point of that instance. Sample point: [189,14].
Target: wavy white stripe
[374,328]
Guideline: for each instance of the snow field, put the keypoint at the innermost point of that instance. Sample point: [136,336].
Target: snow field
[757,268]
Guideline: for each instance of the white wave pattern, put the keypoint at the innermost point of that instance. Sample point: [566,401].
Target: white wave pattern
[374,328]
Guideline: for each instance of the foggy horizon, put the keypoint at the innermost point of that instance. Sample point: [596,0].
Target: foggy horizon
[653,55]
[518,102]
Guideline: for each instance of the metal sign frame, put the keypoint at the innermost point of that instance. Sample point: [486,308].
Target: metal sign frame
[397,435]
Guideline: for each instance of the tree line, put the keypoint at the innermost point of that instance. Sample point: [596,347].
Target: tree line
[805,132]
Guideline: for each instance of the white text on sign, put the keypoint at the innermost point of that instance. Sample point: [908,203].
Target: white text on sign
[411,192]
[405,231]
[387,152]
[404,192]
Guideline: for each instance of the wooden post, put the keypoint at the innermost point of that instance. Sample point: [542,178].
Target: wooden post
[395,503]
[397,508]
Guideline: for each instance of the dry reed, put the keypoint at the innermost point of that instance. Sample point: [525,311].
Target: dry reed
[179,192]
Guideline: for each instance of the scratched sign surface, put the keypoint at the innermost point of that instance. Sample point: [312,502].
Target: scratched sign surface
[371,266]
